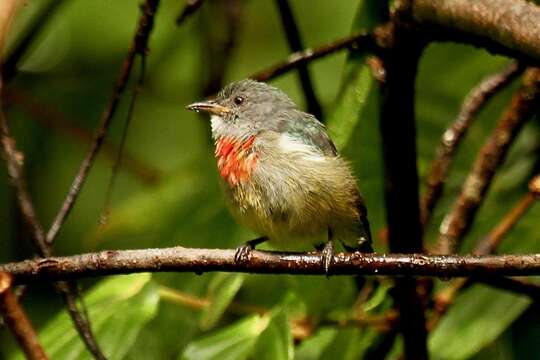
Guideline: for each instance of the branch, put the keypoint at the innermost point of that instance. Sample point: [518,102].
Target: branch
[295,44]
[180,259]
[512,23]
[138,47]
[17,321]
[189,9]
[452,137]
[398,131]
[9,68]
[362,40]
[523,105]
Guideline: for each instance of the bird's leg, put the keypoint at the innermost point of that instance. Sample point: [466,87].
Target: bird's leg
[243,252]
[327,253]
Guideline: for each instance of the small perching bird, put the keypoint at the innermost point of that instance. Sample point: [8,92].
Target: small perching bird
[283,176]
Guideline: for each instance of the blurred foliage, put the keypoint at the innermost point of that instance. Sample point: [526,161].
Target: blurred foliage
[71,67]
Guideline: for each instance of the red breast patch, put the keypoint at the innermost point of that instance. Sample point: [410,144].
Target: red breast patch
[235,158]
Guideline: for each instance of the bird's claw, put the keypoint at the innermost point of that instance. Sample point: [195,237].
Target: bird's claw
[243,253]
[327,257]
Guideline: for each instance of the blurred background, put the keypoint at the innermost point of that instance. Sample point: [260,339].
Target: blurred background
[168,193]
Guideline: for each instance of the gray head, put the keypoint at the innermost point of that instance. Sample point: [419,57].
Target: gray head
[246,108]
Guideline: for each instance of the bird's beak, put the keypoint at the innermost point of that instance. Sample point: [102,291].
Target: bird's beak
[210,107]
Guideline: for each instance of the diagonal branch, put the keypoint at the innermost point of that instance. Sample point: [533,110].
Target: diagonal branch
[180,259]
[295,44]
[138,47]
[9,67]
[362,40]
[452,137]
[523,105]
[18,322]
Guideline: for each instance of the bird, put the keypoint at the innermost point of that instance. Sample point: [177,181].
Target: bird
[282,174]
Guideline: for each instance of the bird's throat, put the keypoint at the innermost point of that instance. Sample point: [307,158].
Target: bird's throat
[236,158]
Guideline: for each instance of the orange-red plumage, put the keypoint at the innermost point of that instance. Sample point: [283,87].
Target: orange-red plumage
[236,158]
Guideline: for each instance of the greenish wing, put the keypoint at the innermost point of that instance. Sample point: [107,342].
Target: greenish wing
[308,129]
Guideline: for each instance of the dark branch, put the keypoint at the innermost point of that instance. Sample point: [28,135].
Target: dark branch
[138,47]
[9,68]
[17,321]
[452,137]
[523,105]
[398,132]
[295,44]
[189,9]
[179,259]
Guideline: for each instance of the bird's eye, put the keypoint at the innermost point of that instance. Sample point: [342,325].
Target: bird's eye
[239,100]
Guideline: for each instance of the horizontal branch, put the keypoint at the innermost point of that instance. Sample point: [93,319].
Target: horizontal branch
[180,259]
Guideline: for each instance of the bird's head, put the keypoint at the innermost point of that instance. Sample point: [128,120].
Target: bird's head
[246,108]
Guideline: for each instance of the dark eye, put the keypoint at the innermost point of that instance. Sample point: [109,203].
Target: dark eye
[239,100]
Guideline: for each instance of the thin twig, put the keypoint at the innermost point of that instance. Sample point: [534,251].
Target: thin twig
[118,161]
[523,105]
[452,137]
[17,321]
[50,117]
[362,40]
[295,44]
[189,9]
[9,68]
[179,259]
[138,47]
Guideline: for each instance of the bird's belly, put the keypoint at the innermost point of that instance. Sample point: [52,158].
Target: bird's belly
[294,208]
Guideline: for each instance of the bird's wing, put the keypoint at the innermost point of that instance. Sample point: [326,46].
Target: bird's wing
[306,128]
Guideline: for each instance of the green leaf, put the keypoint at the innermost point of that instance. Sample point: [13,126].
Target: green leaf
[234,342]
[222,290]
[478,317]
[313,347]
[118,308]
[276,342]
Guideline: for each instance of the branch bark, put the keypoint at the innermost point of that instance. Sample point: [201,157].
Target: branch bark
[18,322]
[452,137]
[180,259]
[398,131]
[512,23]
[523,105]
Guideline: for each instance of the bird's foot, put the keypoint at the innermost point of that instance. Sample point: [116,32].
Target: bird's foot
[327,257]
[243,252]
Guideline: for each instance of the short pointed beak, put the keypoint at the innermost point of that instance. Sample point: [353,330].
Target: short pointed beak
[210,107]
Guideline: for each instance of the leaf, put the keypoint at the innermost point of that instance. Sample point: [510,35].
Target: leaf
[479,315]
[313,347]
[276,342]
[222,290]
[234,342]
[118,308]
